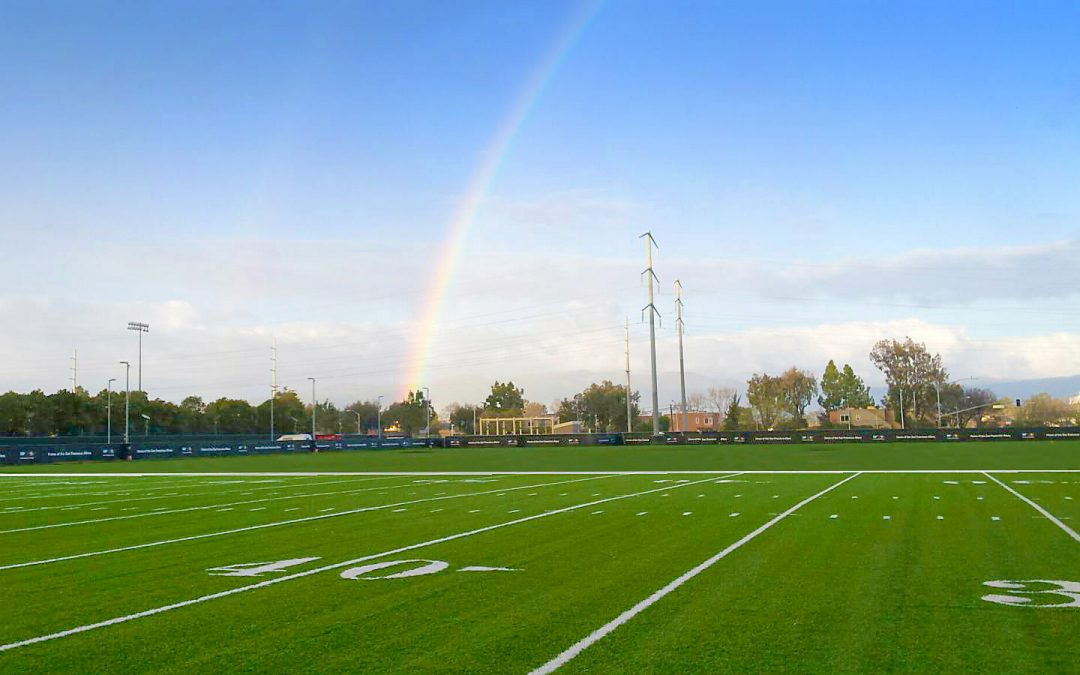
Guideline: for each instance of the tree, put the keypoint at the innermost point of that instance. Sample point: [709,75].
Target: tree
[720,398]
[505,399]
[832,390]
[766,396]
[462,417]
[1045,410]
[410,415]
[856,394]
[733,415]
[601,406]
[909,371]
[962,405]
[534,409]
[799,387]
[696,401]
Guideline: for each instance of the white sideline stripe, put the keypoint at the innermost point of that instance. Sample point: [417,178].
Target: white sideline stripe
[284,522]
[428,474]
[1068,530]
[565,657]
[299,486]
[327,568]
[119,490]
[164,510]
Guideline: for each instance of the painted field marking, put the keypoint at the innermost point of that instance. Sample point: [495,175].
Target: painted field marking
[594,637]
[1068,530]
[327,568]
[642,513]
[429,474]
[886,517]
[734,515]
[280,523]
[995,517]
[687,513]
[305,486]
[165,510]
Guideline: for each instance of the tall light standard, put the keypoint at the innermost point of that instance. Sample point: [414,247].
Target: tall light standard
[140,328]
[127,400]
[146,425]
[314,404]
[427,411]
[379,421]
[357,421]
[108,423]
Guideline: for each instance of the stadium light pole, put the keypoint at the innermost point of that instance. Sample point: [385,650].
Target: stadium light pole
[127,400]
[140,328]
[314,404]
[357,421]
[680,327]
[108,423]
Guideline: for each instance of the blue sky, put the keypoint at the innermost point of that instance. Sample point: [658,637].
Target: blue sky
[819,174]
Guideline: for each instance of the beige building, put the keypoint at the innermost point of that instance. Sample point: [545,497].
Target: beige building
[697,420]
[865,418]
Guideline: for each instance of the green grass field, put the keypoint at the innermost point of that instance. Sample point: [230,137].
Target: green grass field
[745,569]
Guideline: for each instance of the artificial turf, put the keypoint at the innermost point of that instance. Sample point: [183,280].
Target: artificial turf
[877,571]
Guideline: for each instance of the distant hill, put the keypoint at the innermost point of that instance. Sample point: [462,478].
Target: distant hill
[1055,386]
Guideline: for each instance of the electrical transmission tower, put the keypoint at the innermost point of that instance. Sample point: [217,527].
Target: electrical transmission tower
[651,308]
[679,328]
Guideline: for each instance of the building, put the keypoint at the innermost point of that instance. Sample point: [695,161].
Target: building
[697,420]
[863,418]
[499,426]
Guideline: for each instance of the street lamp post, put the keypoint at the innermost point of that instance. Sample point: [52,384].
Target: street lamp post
[427,411]
[357,421]
[140,328]
[314,404]
[127,401]
[379,420]
[108,423]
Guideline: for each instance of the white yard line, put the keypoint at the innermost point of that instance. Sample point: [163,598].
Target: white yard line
[207,486]
[291,521]
[429,474]
[164,511]
[1068,530]
[565,657]
[327,568]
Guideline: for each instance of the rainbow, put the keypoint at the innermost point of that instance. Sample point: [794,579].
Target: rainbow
[464,216]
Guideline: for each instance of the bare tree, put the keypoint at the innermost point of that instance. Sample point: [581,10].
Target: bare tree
[720,398]
[696,401]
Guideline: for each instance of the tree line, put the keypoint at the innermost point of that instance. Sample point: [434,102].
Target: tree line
[916,382]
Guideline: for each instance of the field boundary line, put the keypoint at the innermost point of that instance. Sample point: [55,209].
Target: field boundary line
[1053,519]
[597,635]
[125,500]
[347,563]
[634,472]
[292,521]
[187,509]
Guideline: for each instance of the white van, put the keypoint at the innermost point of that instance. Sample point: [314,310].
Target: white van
[294,437]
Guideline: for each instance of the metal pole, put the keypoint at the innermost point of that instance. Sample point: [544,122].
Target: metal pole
[903,422]
[74,369]
[679,328]
[357,421]
[937,390]
[273,384]
[108,424]
[380,419]
[140,328]
[649,243]
[628,417]
[127,400]
[427,411]
[314,404]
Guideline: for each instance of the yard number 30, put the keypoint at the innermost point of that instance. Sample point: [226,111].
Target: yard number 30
[1036,593]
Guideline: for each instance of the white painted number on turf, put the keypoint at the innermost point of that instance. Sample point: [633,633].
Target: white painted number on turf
[414,568]
[1036,593]
[257,569]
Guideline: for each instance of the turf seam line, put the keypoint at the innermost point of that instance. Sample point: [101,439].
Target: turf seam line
[567,655]
[1068,530]
[291,521]
[327,568]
